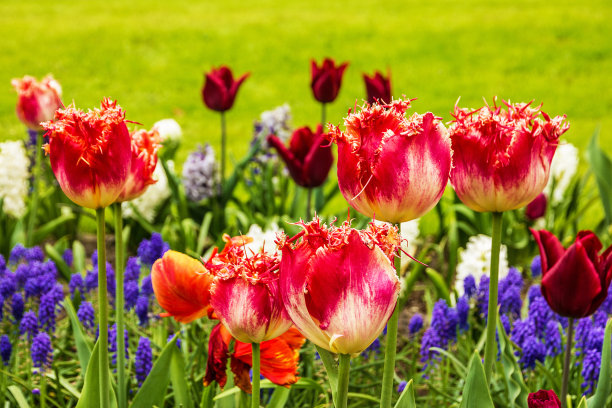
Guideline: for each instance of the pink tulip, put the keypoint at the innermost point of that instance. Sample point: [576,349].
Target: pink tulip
[37,101]
[144,160]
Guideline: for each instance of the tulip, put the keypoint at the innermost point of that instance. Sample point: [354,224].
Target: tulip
[501,158]
[326,80]
[391,167]
[308,158]
[536,208]
[543,399]
[220,88]
[575,280]
[37,101]
[182,286]
[279,358]
[339,285]
[144,160]
[378,88]
[90,153]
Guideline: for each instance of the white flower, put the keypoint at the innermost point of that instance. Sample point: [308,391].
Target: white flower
[562,169]
[277,122]
[148,203]
[475,260]
[262,239]
[168,129]
[199,174]
[14,177]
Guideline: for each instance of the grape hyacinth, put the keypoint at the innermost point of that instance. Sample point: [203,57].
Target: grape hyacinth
[469,286]
[17,307]
[68,257]
[5,349]
[143,360]
[130,294]
[86,315]
[42,351]
[463,310]
[415,324]
[112,343]
[132,269]
[151,250]
[536,266]
[8,285]
[142,310]
[18,253]
[29,325]
[533,350]
[76,283]
[200,174]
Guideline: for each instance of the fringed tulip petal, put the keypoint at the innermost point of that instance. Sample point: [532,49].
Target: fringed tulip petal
[37,101]
[218,349]
[144,160]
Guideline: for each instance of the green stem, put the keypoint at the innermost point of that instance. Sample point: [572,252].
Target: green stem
[223,132]
[491,342]
[391,345]
[566,363]
[35,190]
[323,105]
[255,387]
[332,370]
[119,306]
[309,203]
[103,312]
[43,390]
[343,380]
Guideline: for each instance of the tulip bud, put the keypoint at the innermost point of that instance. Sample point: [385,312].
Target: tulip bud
[536,208]
[220,88]
[37,101]
[378,88]
[543,399]
[326,80]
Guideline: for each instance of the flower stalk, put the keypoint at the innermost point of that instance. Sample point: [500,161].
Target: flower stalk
[119,310]
[103,312]
[256,374]
[343,380]
[35,189]
[566,362]
[223,137]
[491,342]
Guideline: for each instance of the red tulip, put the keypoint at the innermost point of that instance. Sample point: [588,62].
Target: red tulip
[501,159]
[245,293]
[182,286]
[144,160]
[574,281]
[37,101]
[536,208]
[543,399]
[378,88]
[220,88]
[90,153]
[339,285]
[326,80]
[279,358]
[390,167]
[308,158]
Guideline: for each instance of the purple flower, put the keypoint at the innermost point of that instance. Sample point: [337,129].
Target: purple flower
[553,339]
[430,339]
[5,349]
[401,386]
[47,310]
[76,283]
[17,254]
[67,257]
[505,321]
[514,278]
[482,296]
[463,311]
[146,287]
[1,307]
[42,351]
[132,269]
[2,265]
[199,174]
[143,360]
[86,315]
[606,306]
[444,320]
[8,285]
[540,313]
[34,254]
[110,281]
[22,273]
[142,310]
[469,286]
[94,257]
[91,279]
[415,324]
[590,369]
[522,330]
[582,333]
[533,350]
[536,266]
[534,292]
[153,249]
[130,294]
[17,306]
[600,318]
[178,341]
[29,325]
[373,349]
[510,301]
[112,343]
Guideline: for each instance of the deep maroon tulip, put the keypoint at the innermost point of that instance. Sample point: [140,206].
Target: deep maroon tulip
[574,281]
[326,80]
[308,158]
[536,208]
[378,87]
[220,88]
[543,399]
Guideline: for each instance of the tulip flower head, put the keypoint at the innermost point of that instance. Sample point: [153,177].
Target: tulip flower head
[245,292]
[90,153]
[378,88]
[501,158]
[220,88]
[390,167]
[145,145]
[182,286]
[339,284]
[543,399]
[308,158]
[326,79]
[37,101]
[537,207]
[575,280]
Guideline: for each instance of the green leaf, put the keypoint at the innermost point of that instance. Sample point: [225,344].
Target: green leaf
[204,228]
[57,258]
[601,166]
[90,394]
[83,344]
[279,397]
[154,387]
[78,256]
[476,391]
[47,229]
[366,397]
[439,284]
[177,377]
[208,396]
[406,399]
[331,368]
[459,366]
[583,403]
[604,386]
[515,384]
[18,395]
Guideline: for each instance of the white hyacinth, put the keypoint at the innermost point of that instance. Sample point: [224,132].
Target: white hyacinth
[262,238]
[14,175]
[148,203]
[277,122]
[168,129]
[475,260]
[562,169]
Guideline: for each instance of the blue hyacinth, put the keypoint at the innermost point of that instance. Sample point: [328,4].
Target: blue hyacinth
[463,311]
[8,285]
[151,250]
[553,338]
[533,350]
[112,343]
[143,360]
[540,313]
[142,310]
[132,269]
[482,296]
[444,320]
[5,349]
[469,286]
[18,253]
[68,257]
[415,324]
[76,283]
[130,294]
[510,301]
[42,351]
[34,254]
[86,314]
[402,386]
[29,325]
[17,306]
[536,266]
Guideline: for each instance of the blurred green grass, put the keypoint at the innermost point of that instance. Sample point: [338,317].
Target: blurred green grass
[151,55]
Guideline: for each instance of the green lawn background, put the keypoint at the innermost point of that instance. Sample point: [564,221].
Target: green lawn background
[151,55]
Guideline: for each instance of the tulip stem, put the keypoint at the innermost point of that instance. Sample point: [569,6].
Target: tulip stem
[343,380]
[102,312]
[566,362]
[222,152]
[119,309]
[35,190]
[308,203]
[323,105]
[391,345]
[491,342]
[256,372]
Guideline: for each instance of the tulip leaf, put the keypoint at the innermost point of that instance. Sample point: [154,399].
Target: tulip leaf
[207,396]
[406,399]
[601,166]
[56,257]
[515,384]
[78,256]
[47,229]
[204,228]
[82,343]
[90,394]
[439,284]
[331,368]
[583,403]
[604,386]
[177,377]
[460,367]
[153,389]
[476,390]
[18,395]
[279,397]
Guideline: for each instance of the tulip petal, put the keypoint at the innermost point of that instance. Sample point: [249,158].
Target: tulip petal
[551,249]
[217,358]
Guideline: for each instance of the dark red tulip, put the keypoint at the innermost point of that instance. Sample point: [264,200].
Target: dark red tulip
[220,88]
[536,208]
[575,280]
[543,399]
[378,87]
[308,158]
[326,80]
